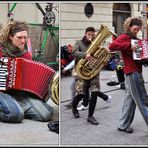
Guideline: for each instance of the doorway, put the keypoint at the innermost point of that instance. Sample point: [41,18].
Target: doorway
[121,11]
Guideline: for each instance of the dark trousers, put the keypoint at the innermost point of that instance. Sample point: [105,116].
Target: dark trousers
[102,95]
[92,103]
[86,98]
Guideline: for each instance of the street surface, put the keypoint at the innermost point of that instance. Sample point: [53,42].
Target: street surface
[80,132]
[29,133]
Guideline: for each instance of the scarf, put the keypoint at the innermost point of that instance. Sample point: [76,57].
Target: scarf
[11,51]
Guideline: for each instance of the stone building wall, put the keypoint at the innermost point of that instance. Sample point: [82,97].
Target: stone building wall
[73,20]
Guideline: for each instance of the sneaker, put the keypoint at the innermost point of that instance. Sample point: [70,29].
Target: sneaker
[126,130]
[109,99]
[82,107]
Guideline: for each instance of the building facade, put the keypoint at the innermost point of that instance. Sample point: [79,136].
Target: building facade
[74,18]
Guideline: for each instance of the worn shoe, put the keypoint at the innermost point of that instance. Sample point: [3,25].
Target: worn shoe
[53,126]
[82,107]
[112,83]
[92,120]
[75,113]
[127,130]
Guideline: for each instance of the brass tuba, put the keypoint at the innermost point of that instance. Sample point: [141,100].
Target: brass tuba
[54,89]
[86,69]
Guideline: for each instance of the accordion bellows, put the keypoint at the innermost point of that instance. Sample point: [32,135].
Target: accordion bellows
[26,75]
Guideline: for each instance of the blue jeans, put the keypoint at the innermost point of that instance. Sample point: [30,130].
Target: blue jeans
[135,95]
[15,109]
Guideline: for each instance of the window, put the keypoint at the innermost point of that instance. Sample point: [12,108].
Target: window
[88,9]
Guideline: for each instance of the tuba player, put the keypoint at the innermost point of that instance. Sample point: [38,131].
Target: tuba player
[83,86]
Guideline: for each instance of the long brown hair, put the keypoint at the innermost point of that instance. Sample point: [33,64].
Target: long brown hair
[11,29]
[129,22]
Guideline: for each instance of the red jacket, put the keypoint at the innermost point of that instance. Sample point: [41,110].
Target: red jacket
[123,44]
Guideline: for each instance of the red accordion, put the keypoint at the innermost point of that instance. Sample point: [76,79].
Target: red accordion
[26,75]
[142,51]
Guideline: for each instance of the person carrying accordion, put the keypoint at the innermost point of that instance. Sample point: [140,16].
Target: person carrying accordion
[135,92]
[17,105]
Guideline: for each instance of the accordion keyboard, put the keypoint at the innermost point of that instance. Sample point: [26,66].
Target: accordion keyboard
[3,73]
[25,75]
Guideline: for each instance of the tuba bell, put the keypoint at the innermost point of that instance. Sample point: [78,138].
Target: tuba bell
[54,89]
[88,69]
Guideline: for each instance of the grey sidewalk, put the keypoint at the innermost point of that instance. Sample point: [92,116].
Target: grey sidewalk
[80,132]
[29,133]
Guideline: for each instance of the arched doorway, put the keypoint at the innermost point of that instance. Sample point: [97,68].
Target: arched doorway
[121,11]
